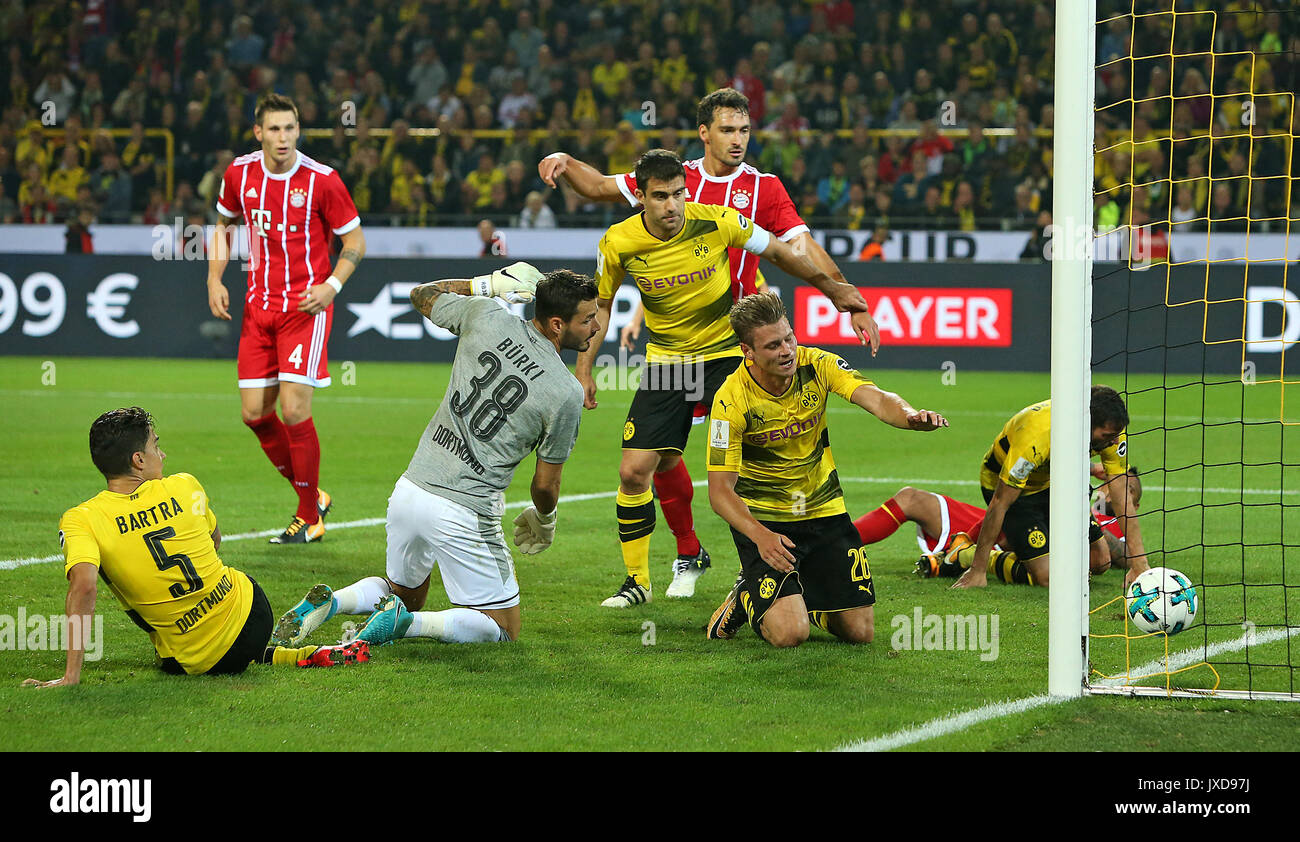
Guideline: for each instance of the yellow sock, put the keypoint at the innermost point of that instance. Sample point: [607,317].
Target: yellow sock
[283,656]
[1009,569]
[636,521]
[818,619]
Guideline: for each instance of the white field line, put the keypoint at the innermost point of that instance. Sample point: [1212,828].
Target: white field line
[232,398]
[13,563]
[953,723]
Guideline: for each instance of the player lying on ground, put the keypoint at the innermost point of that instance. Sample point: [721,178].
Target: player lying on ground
[772,479]
[1015,478]
[947,530]
[719,177]
[678,255]
[154,540]
[291,204]
[510,394]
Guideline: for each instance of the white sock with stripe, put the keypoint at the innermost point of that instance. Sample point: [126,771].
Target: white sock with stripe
[456,625]
[360,598]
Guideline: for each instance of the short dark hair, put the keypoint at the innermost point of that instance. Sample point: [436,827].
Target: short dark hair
[721,98]
[754,311]
[274,102]
[560,292]
[1107,407]
[659,164]
[117,436]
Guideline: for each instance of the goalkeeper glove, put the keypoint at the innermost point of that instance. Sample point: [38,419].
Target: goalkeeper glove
[534,531]
[516,283]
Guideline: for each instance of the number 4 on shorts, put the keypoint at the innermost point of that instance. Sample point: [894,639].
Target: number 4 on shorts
[296,356]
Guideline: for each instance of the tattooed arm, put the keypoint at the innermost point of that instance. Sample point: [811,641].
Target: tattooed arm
[422,297]
[320,295]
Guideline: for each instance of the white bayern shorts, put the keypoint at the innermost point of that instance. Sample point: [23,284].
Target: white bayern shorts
[425,529]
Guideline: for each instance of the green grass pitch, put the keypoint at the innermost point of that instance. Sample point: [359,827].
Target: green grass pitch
[583,677]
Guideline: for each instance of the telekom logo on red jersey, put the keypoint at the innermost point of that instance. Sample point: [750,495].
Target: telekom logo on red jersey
[911,316]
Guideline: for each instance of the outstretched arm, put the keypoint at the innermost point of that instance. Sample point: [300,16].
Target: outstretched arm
[978,574]
[79,610]
[893,410]
[826,276]
[586,180]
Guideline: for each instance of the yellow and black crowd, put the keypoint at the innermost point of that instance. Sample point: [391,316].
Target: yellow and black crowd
[897,113]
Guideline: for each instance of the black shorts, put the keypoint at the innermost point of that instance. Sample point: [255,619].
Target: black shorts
[1026,524]
[247,648]
[663,407]
[830,567]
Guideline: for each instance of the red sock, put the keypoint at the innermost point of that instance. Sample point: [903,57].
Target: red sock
[274,437]
[675,493]
[304,451]
[881,522]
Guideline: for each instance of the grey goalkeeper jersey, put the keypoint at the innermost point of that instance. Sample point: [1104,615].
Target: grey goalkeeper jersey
[510,394]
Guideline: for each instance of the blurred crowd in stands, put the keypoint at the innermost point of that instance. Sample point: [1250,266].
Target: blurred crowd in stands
[963,90]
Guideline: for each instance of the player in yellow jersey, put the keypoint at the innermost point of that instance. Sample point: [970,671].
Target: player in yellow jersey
[772,478]
[153,540]
[1015,478]
[676,253]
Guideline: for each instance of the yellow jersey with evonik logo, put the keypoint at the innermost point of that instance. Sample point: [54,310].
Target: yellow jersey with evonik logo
[778,444]
[685,282]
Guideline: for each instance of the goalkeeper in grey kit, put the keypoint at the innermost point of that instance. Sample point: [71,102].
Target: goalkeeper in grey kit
[510,394]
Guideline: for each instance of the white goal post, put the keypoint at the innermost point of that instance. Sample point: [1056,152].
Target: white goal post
[1072,157]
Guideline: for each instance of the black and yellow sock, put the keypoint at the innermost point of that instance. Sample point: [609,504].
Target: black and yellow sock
[636,520]
[1009,569]
[819,619]
[283,656]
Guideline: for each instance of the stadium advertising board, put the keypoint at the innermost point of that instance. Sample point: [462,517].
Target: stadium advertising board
[992,317]
[175,242]
[925,316]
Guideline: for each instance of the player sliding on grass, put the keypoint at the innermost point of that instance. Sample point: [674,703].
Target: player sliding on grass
[720,177]
[1015,480]
[676,252]
[510,394]
[773,479]
[154,540]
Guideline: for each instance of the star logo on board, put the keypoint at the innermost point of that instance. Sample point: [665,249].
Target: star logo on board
[378,315]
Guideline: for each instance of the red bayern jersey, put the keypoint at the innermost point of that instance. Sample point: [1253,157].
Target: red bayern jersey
[758,195]
[289,217]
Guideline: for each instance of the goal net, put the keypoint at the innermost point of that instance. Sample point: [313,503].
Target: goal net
[1195,309]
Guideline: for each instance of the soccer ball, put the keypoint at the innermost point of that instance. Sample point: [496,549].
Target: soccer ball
[1161,600]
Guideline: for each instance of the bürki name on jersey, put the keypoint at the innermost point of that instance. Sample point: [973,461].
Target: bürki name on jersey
[675,280]
[795,428]
[190,618]
[146,518]
[514,352]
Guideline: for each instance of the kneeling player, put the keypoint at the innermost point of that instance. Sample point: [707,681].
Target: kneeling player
[510,393]
[773,479]
[154,540]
